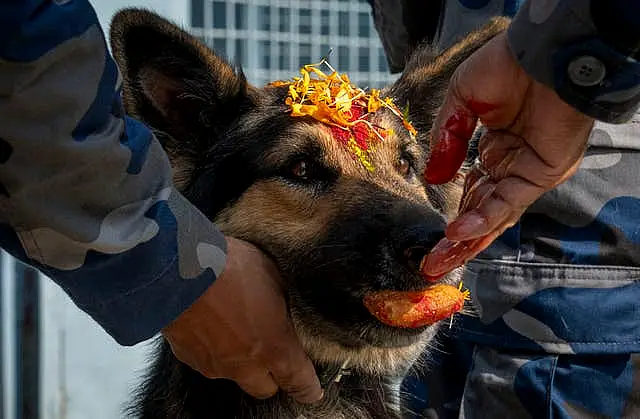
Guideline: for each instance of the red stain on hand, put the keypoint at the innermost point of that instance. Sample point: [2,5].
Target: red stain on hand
[450,149]
[447,156]
[481,108]
[461,124]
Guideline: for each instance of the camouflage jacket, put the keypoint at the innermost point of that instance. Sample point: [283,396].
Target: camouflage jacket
[584,49]
[86,193]
[557,331]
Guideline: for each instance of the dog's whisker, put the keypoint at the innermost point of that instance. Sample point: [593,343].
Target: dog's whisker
[330,262]
[331,245]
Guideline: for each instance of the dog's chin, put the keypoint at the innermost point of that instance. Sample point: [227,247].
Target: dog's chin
[363,341]
[378,350]
[381,336]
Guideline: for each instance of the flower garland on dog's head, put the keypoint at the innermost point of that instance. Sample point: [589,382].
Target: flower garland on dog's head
[334,101]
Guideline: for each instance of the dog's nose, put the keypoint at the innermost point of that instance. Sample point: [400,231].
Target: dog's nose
[413,257]
[416,241]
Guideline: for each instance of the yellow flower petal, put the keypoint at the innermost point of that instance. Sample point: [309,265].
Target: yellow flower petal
[331,98]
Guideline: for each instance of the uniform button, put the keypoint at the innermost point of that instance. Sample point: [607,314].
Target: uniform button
[586,71]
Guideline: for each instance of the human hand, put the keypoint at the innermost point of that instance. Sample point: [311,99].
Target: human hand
[534,141]
[240,330]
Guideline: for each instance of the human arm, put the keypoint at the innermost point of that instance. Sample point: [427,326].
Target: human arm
[538,115]
[87,197]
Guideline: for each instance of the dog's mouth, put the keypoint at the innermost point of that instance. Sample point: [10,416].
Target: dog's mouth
[424,306]
[381,305]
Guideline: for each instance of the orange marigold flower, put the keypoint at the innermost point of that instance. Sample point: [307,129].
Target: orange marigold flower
[333,100]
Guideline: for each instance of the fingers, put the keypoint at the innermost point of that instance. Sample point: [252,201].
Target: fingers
[298,379]
[448,255]
[257,382]
[473,94]
[286,367]
[503,206]
[292,369]
[449,150]
[513,177]
[493,210]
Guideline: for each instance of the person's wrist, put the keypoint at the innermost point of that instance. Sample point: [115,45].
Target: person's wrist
[229,256]
[230,261]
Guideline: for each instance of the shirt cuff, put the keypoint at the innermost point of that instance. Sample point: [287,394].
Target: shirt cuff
[557,44]
[141,313]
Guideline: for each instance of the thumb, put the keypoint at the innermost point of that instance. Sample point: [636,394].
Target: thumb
[452,130]
[476,91]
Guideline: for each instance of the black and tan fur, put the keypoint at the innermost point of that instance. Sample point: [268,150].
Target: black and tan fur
[335,230]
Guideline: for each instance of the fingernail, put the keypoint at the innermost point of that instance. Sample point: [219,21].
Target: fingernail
[461,124]
[467,227]
[433,278]
[440,260]
[481,108]
[445,159]
[427,277]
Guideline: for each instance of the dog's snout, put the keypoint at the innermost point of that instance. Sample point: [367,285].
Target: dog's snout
[416,236]
[417,244]
[414,256]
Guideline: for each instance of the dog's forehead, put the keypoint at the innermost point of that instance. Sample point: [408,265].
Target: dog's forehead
[366,123]
[303,136]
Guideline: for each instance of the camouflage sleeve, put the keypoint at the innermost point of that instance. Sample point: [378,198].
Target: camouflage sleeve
[402,25]
[572,47]
[86,194]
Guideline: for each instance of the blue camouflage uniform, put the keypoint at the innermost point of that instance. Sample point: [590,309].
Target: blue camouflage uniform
[86,193]
[557,297]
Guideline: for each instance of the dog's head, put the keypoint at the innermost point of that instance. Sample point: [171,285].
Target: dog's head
[335,229]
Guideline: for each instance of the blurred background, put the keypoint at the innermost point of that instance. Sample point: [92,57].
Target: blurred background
[56,362]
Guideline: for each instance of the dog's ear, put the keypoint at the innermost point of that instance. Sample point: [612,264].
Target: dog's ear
[175,84]
[423,83]
[421,89]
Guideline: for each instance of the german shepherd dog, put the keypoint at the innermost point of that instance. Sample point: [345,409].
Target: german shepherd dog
[335,230]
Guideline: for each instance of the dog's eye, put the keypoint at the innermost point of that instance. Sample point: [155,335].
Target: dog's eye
[300,169]
[404,166]
[306,172]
